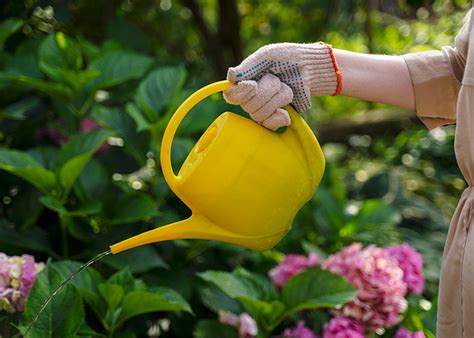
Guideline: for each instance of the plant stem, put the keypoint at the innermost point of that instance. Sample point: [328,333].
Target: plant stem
[64,244]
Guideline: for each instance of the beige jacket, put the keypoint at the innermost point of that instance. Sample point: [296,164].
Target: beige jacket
[443,82]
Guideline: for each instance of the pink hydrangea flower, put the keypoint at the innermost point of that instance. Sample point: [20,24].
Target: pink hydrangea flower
[17,276]
[244,323]
[299,331]
[378,277]
[411,262]
[343,328]
[404,333]
[290,266]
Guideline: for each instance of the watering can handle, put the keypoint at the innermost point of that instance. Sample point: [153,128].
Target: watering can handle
[183,109]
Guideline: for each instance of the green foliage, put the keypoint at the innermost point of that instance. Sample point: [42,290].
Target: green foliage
[69,191]
[114,301]
[311,289]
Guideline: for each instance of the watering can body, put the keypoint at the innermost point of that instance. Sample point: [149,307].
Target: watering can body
[243,183]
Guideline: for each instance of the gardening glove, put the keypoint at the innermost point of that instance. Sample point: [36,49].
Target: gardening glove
[307,69]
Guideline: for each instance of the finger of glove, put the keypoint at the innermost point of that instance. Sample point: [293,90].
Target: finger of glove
[280,118]
[283,97]
[267,87]
[241,92]
[251,68]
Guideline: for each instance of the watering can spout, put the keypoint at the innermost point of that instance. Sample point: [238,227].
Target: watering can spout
[195,227]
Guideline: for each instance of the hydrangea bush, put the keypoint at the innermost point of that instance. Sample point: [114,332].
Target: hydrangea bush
[383,280]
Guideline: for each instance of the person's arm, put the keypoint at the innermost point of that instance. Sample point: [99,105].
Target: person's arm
[377,78]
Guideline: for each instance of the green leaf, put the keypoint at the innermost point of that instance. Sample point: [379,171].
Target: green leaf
[18,110]
[117,67]
[63,316]
[53,204]
[8,27]
[131,208]
[118,120]
[217,300]
[316,288]
[45,155]
[269,313]
[124,278]
[139,260]
[266,288]
[374,213]
[60,51]
[136,114]
[33,238]
[214,329]
[26,167]
[86,330]
[112,294]
[60,57]
[233,285]
[158,89]
[93,181]
[76,153]
[139,302]
[55,90]
[88,279]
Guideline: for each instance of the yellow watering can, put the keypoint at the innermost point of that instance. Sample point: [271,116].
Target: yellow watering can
[243,183]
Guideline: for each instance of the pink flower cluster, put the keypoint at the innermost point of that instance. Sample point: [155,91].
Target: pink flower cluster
[244,323]
[404,333]
[290,266]
[299,331]
[378,277]
[411,262]
[383,277]
[17,275]
[343,328]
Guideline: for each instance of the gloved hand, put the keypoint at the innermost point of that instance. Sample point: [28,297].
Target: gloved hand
[265,78]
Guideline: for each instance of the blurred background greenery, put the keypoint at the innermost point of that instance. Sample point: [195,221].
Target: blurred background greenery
[122,67]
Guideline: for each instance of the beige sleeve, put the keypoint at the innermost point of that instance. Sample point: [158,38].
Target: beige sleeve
[436,77]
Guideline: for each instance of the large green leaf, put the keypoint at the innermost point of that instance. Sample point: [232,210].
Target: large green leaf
[75,154]
[316,288]
[158,89]
[117,67]
[63,316]
[139,302]
[232,284]
[131,208]
[8,27]
[26,167]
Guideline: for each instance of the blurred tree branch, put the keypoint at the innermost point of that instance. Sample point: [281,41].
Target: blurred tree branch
[223,47]
[372,123]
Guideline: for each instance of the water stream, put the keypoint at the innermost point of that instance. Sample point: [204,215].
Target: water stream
[62,285]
